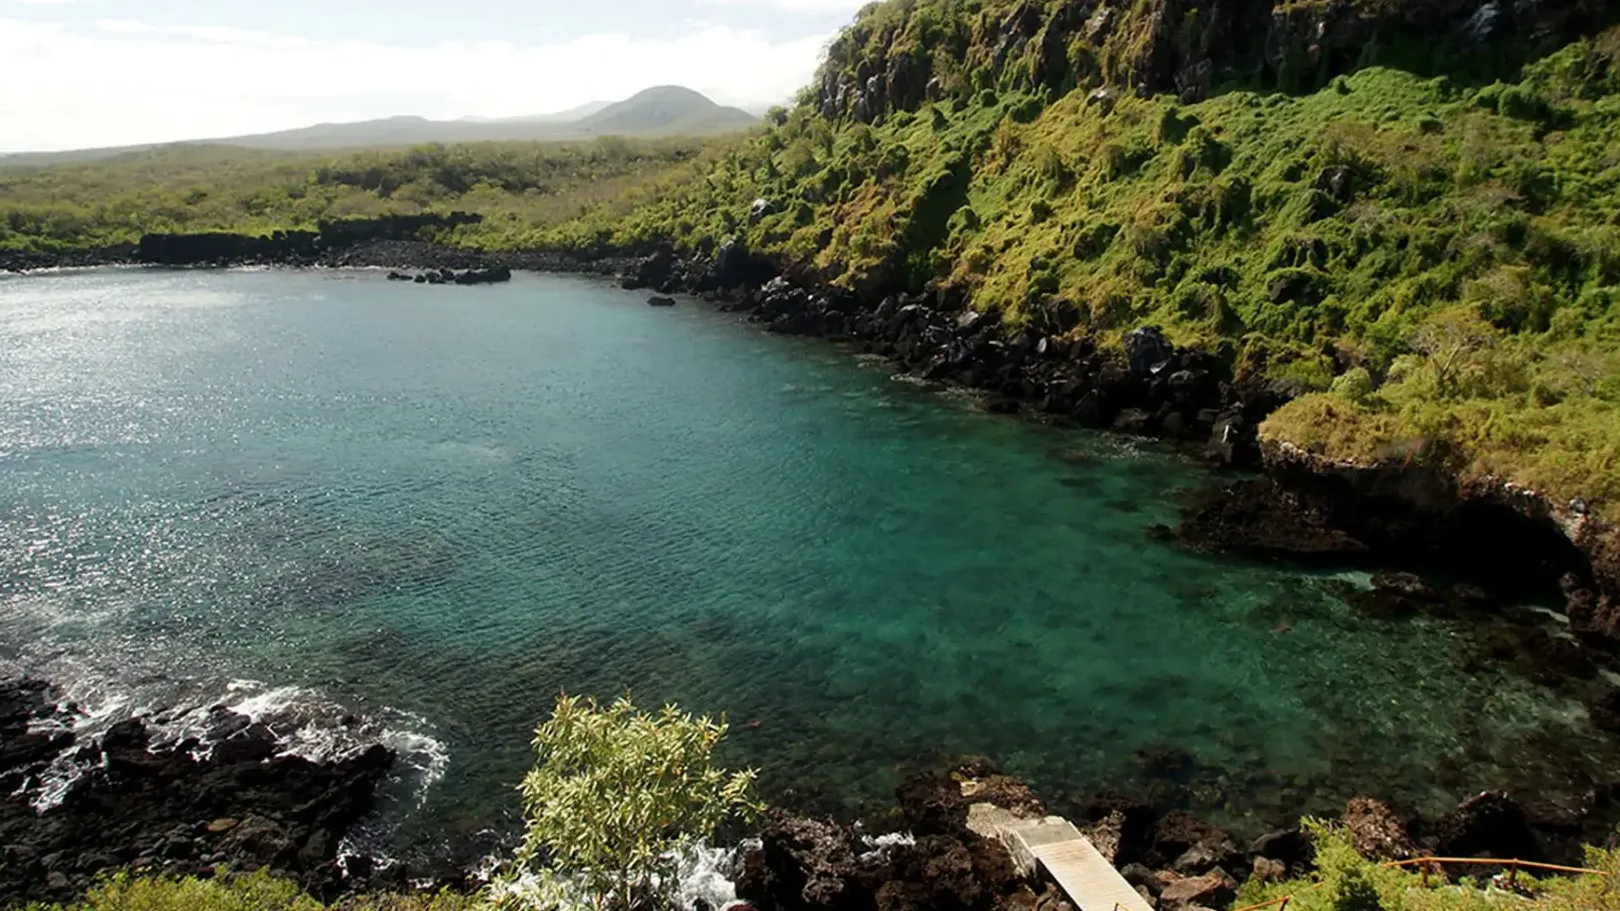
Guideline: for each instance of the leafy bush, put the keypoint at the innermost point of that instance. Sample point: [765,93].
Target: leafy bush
[252,892]
[1355,384]
[1346,881]
[615,795]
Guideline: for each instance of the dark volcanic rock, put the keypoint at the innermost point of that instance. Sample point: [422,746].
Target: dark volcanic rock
[1290,847]
[1193,847]
[1148,350]
[243,803]
[936,803]
[651,272]
[1604,707]
[1262,518]
[32,732]
[1491,824]
[806,863]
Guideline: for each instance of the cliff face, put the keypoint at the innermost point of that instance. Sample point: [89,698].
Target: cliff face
[897,56]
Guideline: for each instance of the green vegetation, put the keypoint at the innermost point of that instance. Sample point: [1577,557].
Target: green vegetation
[615,796]
[1346,881]
[1453,247]
[252,892]
[517,186]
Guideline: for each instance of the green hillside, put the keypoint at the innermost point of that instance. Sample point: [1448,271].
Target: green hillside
[1439,248]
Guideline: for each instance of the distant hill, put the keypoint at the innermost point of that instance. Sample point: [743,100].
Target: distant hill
[661,111]
[667,110]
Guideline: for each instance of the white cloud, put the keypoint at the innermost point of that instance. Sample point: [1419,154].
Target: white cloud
[124,81]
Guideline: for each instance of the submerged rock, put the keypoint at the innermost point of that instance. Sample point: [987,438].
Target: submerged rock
[1262,518]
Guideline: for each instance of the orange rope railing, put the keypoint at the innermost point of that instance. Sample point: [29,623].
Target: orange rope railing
[1281,904]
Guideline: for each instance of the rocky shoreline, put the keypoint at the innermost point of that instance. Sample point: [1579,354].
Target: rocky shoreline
[949,856]
[231,802]
[228,799]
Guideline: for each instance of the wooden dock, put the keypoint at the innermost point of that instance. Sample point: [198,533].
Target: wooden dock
[1053,843]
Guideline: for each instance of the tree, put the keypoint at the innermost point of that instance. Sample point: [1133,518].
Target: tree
[615,796]
[1450,340]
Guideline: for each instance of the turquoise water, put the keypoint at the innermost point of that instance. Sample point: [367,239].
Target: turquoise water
[436,507]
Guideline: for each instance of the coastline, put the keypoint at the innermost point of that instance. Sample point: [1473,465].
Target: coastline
[1284,504]
[231,802]
[786,308]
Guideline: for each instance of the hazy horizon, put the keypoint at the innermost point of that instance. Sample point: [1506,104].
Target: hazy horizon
[102,73]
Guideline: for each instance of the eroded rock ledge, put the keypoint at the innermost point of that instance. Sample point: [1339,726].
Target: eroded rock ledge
[174,809]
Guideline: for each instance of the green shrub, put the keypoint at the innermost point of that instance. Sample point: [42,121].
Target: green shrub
[259,891]
[616,793]
[1354,385]
[1346,881]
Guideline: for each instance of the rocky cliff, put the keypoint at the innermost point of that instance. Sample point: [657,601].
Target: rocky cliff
[897,56]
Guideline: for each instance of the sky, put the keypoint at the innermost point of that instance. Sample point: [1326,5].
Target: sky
[90,73]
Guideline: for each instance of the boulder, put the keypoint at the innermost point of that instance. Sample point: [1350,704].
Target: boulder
[1604,708]
[1338,182]
[1107,835]
[1291,847]
[1267,870]
[733,267]
[1491,824]
[1148,351]
[1212,890]
[1192,846]
[1376,832]
[804,863]
[651,271]
[660,301]
[491,276]
[1134,421]
[1232,440]
[1092,409]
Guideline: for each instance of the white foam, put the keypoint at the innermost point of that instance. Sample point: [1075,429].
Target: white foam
[305,723]
[880,846]
[704,877]
[707,876]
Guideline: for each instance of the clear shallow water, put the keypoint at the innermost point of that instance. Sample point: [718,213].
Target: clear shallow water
[437,507]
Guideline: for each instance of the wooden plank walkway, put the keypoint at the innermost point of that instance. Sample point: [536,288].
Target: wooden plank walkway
[1090,881]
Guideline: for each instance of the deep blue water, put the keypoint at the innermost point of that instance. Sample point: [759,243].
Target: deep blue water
[436,507]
